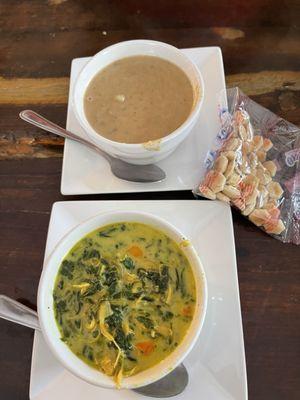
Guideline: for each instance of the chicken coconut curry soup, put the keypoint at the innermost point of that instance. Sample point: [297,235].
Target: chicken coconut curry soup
[124,298]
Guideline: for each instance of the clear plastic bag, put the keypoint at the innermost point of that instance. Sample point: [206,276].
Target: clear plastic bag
[255,166]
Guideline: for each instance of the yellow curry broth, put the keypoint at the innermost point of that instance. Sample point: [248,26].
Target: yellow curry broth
[124,298]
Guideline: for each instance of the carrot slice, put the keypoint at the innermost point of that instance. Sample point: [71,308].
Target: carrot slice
[146,347]
[187,311]
[135,251]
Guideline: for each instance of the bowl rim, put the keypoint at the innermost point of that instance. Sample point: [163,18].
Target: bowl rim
[97,137]
[201,303]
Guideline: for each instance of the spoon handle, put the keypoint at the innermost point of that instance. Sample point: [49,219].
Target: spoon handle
[36,119]
[121,169]
[14,311]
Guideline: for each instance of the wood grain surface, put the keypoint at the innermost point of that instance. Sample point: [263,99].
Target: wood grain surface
[38,40]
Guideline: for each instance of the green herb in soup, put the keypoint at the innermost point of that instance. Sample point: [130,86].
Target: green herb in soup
[124,298]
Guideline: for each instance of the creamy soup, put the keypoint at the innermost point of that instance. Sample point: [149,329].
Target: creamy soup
[124,298]
[137,99]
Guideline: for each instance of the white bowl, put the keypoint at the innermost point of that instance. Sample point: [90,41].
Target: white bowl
[143,153]
[46,313]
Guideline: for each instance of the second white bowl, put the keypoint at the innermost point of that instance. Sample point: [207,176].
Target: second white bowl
[46,313]
[138,153]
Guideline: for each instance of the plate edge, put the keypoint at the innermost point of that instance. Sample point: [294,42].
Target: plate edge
[66,192]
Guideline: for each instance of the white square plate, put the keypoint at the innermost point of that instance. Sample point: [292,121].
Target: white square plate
[85,172]
[217,363]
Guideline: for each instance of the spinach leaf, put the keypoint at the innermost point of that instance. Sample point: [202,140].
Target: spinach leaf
[104,262]
[163,285]
[90,269]
[167,315]
[66,334]
[130,358]
[110,275]
[177,279]
[114,321]
[128,263]
[106,233]
[129,295]
[95,333]
[159,280]
[142,274]
[67,268]
[112,288]
[147,322]
[90,253]
[122,340]
[88,353]
[61,306]
[94,287]
[77,323]
[60,284]
[111,280]
[154,277]
[78,302]
[147,298]
[182,283]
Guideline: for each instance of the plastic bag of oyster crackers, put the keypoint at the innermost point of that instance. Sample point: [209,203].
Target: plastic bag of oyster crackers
[255,166]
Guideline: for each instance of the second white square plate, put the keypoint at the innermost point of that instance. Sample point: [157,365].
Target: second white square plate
[85,172]
[216,365]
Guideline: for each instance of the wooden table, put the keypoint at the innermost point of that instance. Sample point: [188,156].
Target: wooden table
[260,44]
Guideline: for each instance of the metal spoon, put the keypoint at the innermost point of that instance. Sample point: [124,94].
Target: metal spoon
[121,169]
[12,310]
[172,384]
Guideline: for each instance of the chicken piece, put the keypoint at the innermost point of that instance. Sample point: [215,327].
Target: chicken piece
[107,365]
